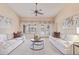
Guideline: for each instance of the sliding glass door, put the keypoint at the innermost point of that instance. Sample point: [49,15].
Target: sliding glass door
[40,28]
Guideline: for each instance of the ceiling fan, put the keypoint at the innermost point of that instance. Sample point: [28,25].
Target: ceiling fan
[36,11]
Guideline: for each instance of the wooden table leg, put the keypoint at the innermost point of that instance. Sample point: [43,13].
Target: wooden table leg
[73,49]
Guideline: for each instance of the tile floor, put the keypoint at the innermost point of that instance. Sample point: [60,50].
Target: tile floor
[24,48]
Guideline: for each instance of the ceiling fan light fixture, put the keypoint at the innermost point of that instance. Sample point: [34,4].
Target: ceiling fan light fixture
[36,11]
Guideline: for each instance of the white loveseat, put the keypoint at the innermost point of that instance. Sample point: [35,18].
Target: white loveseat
[8,44]
[65,46]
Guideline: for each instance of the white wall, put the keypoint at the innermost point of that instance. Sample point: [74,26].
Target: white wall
[38,21]
[68,10]
[7,12]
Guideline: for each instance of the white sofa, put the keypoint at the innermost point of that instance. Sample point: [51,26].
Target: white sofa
[65,46]
[7,45]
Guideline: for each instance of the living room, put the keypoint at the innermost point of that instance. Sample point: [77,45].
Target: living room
[41,29]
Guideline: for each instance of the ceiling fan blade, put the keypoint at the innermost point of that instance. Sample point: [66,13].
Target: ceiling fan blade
[40,9]
[40,13]
[36,11]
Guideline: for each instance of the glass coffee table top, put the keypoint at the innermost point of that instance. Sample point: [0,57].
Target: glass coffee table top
[37,45]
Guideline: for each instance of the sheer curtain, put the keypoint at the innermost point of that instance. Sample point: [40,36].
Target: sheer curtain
[77,30]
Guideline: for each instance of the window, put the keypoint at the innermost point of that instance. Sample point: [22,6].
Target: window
[77,30]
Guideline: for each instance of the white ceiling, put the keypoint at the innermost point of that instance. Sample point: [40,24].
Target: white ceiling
[26,9]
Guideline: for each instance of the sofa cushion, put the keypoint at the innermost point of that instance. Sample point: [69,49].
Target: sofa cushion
[63,36]
[10,46]
[3,37]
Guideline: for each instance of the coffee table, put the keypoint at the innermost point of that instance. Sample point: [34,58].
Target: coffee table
[37,45]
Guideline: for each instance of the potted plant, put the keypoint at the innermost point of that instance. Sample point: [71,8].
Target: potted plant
[36,37]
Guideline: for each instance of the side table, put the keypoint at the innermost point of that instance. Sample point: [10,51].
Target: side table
[76,44]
